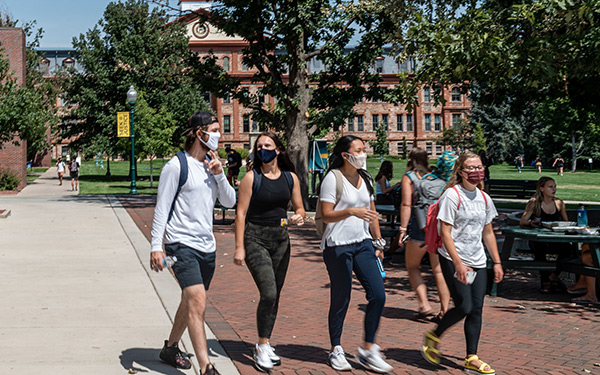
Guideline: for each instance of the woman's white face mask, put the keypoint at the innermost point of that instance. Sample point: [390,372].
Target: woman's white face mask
[357,161]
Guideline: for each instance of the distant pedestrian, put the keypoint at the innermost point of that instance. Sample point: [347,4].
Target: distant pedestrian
[348,246]
[60,168]
[559,163]
[261,233]
[538,164]
[184,219]
[519,162]
[465,219]
[74,171]
[234,163]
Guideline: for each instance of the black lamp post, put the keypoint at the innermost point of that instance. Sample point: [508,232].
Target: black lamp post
[131,98]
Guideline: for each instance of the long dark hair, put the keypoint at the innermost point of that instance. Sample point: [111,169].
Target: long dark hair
[418,161]
[283,160]
[336,160]
[386,170]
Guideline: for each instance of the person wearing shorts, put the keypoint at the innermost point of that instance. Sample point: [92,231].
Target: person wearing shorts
[60,168]
[74,169]
[184,219]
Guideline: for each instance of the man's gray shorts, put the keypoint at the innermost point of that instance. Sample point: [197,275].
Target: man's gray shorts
[192,267]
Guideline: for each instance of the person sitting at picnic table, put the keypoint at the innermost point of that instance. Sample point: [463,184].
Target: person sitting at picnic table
[544,207]
[585,284]
[384,188]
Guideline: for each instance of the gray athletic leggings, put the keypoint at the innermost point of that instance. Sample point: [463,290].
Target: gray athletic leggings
[468,302]
[267,257]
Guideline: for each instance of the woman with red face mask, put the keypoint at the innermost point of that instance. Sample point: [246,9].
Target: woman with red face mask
[464,219]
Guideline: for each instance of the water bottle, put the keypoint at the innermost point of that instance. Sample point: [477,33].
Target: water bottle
[380,265]
[582,219]
[169,261]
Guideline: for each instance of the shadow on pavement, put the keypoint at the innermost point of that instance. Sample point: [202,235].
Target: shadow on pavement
[148,360]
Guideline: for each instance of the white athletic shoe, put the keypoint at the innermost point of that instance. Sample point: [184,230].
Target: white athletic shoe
[271,353]
[337,359]
[262,362]
[373,360]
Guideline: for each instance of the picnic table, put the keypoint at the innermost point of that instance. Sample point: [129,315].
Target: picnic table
[548,235]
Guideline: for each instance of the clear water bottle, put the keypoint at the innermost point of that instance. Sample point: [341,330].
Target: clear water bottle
[582,219]
[169,261]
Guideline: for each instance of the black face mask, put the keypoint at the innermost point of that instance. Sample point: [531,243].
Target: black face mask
[266,156]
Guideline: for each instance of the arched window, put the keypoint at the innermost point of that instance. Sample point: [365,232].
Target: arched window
[68,62]
[456,95]
[226,64]
[45,66]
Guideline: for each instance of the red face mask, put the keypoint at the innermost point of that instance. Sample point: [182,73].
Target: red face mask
[474,177]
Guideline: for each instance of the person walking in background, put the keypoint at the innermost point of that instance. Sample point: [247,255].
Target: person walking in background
[234,163]
[348,245]
[261,233]
[74,171]
[559,163]
[415,249]
[538,164]
[60,169]
[544,206]
[184,217]
[519,162]
[383,187]
[464,220]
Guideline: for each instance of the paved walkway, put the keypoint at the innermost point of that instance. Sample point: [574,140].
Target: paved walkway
[523,333]
[77,294]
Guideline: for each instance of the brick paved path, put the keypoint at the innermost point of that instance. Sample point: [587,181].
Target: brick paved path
[523,332]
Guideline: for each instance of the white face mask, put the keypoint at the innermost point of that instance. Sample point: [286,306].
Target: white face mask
[357,161]
[213,140]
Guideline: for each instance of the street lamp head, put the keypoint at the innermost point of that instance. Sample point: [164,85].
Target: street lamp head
[131,95]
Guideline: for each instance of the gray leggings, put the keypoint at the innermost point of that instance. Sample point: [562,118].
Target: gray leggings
[267,257]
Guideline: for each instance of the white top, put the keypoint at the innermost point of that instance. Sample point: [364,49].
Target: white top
[191,223]
[467,223]
[60,166]
[351,229]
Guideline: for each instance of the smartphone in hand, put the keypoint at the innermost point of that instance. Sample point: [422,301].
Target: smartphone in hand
[470,276]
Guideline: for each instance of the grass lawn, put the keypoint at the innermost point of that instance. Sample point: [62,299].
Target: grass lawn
[579,186]
[33,174]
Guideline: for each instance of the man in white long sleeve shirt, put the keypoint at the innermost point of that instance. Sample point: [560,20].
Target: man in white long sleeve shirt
[188,233]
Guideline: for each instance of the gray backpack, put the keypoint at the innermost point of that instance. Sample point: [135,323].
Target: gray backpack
[427,191]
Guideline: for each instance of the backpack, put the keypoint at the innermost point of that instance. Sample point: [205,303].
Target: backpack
[183,175]
[433,240]
[339,187]
[427,191]
[258,181]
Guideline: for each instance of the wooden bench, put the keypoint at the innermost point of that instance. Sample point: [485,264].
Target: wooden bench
[520,189]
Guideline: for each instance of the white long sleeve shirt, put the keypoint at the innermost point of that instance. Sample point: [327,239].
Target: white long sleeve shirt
[191,223]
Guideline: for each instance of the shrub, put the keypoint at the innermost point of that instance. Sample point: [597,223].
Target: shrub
[243,152]
[8,180]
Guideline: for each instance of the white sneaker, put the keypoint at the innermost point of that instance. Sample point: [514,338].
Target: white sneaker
[262,362]
[372,359]
[337,359]
[271,353]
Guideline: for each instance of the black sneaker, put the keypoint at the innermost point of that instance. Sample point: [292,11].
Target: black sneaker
[175,357]
[210,370]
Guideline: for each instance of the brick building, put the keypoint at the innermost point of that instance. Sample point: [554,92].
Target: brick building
[421,127]
[13,157]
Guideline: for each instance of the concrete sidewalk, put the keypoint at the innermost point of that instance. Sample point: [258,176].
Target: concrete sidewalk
[78,294]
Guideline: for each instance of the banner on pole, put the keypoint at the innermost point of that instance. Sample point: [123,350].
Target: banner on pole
[122,124]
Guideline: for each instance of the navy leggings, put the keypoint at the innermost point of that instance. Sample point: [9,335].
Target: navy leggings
[341,261]
[468,302]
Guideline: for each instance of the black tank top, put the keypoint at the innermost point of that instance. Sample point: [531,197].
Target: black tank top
[269,205]
[556,216]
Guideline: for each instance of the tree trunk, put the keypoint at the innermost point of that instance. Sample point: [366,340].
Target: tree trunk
[574,153]
[151,176]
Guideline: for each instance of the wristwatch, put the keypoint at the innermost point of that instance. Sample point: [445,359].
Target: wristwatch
[379,243]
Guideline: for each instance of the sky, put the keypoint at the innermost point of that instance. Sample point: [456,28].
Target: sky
[61,20]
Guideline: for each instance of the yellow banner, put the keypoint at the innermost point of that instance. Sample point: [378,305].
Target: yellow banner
[122,124]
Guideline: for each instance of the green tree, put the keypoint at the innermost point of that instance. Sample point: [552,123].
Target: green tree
[459,136]
[131,45]
[380,145]
[284,38]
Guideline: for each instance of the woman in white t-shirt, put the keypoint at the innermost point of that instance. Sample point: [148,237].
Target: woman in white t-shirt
[60,169]
[464,219]
[348,246]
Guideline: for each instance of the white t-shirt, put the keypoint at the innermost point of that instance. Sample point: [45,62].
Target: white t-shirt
[467,223]
[191,223]
[60,166]
[351,229]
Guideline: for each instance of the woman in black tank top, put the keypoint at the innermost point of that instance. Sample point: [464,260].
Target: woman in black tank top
[544,206]
[261,236]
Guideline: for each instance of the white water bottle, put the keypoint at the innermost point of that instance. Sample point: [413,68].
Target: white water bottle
[169,261]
